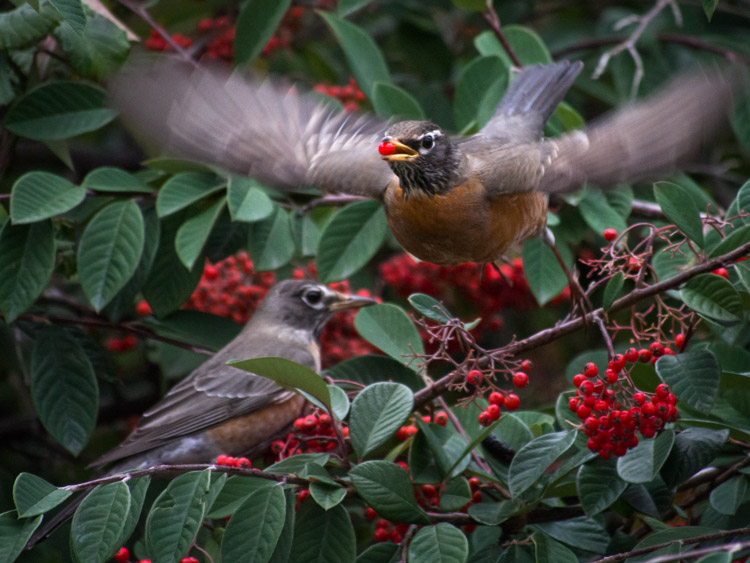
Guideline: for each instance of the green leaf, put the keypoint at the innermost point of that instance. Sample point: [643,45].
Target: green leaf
[680,208]
[327,496]
[674,535]
[599,214]
[380,553]
[247,200]
[39,195]
[386,487]
[109,251]
[64,388]
[96,52]
[176,516]
[339,402]
[59,110]
[192,235]
[708,7]
[714,297]
[599,485]
[455,495]
[25,26]
[284,545]
[234,492]
[27,259]
[548,550]
[373,368]
[730,495]
[15,533]
[346,7]
[256,23]
[447,448]
[377,412]
[389,328]
[298,463]
[542,270]
[532,460]
[363,55]
[99,521]
[323,535]
[581,533]
[479,88]
[288,374]
[350,240]
[108,179]
[72,13]
[642,463]
[430,307]
[271,242]
[694,449]
[736,238]
[494,513]
[442,542]
[693,377]
[527,45]
[184,189]
[391,101]
[33,495]
[138,488]
[255,527]
[612,290]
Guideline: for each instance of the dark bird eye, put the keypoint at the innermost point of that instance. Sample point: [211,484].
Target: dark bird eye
[428,142]
[313,296]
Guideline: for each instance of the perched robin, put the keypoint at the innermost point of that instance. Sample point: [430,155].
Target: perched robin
[447,201]
[220,409]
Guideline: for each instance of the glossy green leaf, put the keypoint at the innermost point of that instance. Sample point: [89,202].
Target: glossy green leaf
[64,388]
[192,235]
[440,543]
[327,496]
[599,485]
[108,179]
[390,329]
[184,189]
[377,412]
[256,23]
[372,368]
[255,527]
[386,487]
[447,449]
[548,550]
[694,448]
[391,101]
[533,459]
[380,553]
[730,495]
[286,539]
[40,195]
[612,290]
[674,535]
[109,251]
[363,55]
[542,270]
[430,307]
[323,535]
[247,201]
[339,402]
[176,516]
[234,492]
[15,533]
[25,26]
[298,463]
[693,377]
[455,495]
[680,208]
[271,242]
[478,90]
[27,259]
[33,495]
[714,297]
[350,240]
[736,238]
[581,533]
[99,521]
[288,374]
[642,463]
[59,110]
[494,513]
[138,489]
[667,266]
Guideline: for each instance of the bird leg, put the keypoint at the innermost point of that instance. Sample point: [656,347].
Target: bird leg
[578,296]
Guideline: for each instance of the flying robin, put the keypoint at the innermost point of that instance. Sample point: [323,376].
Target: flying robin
[220,409]
[447,201]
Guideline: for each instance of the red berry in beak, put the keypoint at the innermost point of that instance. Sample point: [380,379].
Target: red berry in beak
[385,148]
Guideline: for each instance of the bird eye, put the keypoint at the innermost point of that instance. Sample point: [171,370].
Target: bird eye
[428,142]
[313,296]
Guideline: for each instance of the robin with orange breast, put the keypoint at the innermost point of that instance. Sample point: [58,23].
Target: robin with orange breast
[447,201]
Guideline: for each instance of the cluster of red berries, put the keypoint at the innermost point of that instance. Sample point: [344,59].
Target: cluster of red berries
[156,42]
[229,461]
[121,344]
[496,399]
[610,422]
[350,95]
[313,433]
[123,556]
[409,430]
[221,44]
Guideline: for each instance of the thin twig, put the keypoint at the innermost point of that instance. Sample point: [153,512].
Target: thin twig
[493,21]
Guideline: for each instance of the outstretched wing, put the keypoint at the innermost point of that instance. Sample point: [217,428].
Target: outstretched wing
[277,135]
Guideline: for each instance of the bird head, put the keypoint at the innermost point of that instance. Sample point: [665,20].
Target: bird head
[421,155]
[305,305]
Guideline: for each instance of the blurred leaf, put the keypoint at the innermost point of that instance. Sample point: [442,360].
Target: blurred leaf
[41,195]
[542,270]
[33,495]
[323,535]
[346,7]
[99,521]
[192,235]
[730,495]
[642,463]
[59,110]
[287,374]
[714,297]
[709,6]
[680,209]
[256,23]
[98,50]
[599,485]
[8,77]
[442,542]
[72,13]
[389,328]
[350,240]
[548,550]
[693,377]
[247,201]
[108,179]
[476,5]
[391,101]
[64,388]
[479,88]
[15,533]
[25,26]
[27,259]
[527,45]
[533,459]
[365,59]
[109,251]
[612,290]
[386,552]
[271,242]
[377,412]
[598,213]
[186,188]
[386,487]
[255,527]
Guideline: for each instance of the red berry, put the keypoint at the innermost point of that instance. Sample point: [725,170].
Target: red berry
[583,412]
[578,379]
[143,308]
[656,349]
[591,423]
[573,403]
[381,535]
[221,459]
[526,365]
[476,496]
[662,390]
[610,234]
[385,148]
[243,462]
[189,560]
[210,272]
[648,409]
[644,355]
[631,355]
[494,412]
[639,398]
[587,388]
[402,434]
[122,555]
[474,483]
[484,418]
[441,418]
[512,402]
[721,272]
[679,340]
[617,362]
[590,370]
[370,513]
[520,379]
[429,490]
[474,377]
[396,536]
[611,376]
[302,495]
[496,398]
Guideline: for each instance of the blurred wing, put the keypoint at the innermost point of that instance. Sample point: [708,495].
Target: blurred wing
[274,134]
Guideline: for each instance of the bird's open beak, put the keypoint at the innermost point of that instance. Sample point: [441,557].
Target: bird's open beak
[341,301]
[401,152]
